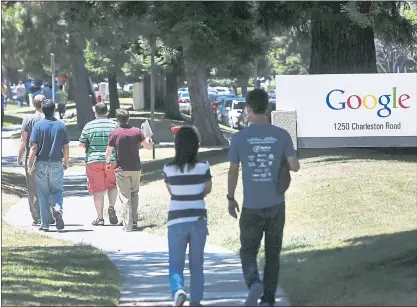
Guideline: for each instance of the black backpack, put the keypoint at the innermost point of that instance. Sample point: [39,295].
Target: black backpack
[284,176]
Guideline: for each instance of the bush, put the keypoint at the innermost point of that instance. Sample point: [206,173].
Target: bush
[125,94]
[271,87]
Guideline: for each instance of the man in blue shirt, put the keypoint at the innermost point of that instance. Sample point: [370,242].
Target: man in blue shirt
[50,145]
[259,149]
[47,91]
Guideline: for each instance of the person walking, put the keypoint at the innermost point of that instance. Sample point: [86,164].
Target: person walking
[62,99]
[47,90]
[49,154]
[127,140]
[23,154]
[21,94]
[260,149]
[94,138]
[188,181]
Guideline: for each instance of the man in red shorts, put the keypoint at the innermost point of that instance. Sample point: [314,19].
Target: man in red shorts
[94,139]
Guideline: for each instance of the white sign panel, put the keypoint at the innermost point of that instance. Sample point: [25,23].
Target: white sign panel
[350,105]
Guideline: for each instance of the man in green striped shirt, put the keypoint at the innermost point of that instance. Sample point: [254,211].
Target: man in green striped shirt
[94,139]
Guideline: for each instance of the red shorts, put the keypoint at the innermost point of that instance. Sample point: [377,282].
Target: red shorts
[99,177]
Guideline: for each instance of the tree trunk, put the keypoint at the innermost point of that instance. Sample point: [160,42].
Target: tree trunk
[70,89]
[91,92]
[113,94]
[244,90]
[82,102]
[147,90]
[202,115]
[243,83]
[172,109]
[338,45]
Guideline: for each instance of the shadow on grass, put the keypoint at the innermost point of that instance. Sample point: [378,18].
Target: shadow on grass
[58,275]
[346,154]
[371,270]
[13,183]
[152,170]
[12,120]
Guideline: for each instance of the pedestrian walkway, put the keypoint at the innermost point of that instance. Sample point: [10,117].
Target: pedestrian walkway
[140,257]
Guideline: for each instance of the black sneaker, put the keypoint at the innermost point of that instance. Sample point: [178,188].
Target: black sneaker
[58,218]
[36,222]
[112,216]
[51,217]
[43,229]
[135,226]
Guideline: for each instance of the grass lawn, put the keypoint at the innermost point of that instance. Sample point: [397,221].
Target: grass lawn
[350,225]
[41,271]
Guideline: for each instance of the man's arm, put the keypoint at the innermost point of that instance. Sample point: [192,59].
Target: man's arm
[109,151]
[291,155]
[293,163]
[83,140]
[22,145]
[23,139]
[66,155]
[32,155]
[147,143]
[233,174]
[232,178]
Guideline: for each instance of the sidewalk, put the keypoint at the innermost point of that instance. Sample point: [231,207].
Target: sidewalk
[141,258]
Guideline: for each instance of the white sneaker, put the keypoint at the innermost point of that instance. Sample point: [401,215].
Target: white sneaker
[255,293]
[179,298]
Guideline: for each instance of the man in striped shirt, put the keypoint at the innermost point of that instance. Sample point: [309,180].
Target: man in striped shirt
[94,139]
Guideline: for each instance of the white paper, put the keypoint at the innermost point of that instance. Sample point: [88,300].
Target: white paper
[146,128]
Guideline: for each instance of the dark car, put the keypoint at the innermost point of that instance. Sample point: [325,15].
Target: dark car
[218,100]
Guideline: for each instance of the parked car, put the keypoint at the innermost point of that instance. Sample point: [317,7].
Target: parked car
[231,112]
[128,87]
[224,90]
[218,101]
[184,102]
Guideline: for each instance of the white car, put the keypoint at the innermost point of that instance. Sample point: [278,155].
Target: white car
[223,91]
[184,102]
[182,90]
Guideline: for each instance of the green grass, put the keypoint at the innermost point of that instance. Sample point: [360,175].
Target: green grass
[350,225]
[40,271]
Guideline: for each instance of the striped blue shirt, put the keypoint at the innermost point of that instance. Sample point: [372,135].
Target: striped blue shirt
[187,189]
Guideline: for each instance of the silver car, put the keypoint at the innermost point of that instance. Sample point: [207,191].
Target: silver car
[184,102]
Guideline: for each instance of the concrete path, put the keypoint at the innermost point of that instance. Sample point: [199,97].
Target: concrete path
[140,257]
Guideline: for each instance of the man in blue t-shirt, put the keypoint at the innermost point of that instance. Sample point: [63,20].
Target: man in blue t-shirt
[259,149]
[50,146]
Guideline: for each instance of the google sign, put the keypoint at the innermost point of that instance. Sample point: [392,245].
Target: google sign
[369,102]
[351,109]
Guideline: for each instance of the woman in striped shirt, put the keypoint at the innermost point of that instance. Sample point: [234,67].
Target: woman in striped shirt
[188,181]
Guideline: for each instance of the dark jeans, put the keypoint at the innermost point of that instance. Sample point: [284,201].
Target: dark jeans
[61,110]
[253,224]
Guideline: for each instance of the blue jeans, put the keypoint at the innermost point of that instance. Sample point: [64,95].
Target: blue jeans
[180,235]
[49,182]
[20,101]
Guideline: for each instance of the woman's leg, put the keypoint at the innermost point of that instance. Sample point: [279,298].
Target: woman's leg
[177,243]
[198,237]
